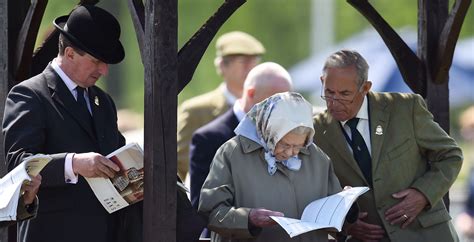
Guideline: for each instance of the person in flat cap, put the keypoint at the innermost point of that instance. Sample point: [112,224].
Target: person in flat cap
[61,112]
[236,54]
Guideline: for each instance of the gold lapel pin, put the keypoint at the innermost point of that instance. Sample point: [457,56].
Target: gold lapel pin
[378,130]
[96,101]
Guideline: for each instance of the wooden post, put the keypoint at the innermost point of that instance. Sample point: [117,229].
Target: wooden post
[432,15]
[160,120]
[137,12]
[4,64]
[4,77]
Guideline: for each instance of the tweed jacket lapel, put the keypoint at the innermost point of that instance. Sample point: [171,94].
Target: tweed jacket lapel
[62,96]
[379,121]
[333,132]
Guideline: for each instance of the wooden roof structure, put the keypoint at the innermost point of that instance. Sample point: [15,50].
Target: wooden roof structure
[167,71]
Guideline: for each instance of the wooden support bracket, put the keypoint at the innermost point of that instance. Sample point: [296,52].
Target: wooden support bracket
[407,61]
[191,53]
[26,40]
[448,39]
[137,10]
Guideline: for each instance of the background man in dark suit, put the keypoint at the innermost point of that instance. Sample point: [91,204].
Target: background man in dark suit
[62,113]
[390,142]
[262,81]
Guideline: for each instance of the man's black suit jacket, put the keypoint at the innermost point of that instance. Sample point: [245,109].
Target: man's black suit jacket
[204,144]
[40,117]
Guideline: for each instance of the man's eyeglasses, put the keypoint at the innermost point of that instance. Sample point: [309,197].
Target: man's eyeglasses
[343,101]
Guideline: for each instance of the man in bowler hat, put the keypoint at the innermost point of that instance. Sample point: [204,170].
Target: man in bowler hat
[62,113]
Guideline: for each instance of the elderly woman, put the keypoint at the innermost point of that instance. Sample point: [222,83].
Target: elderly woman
[271,168]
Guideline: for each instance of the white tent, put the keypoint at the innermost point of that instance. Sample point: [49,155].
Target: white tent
[383,71]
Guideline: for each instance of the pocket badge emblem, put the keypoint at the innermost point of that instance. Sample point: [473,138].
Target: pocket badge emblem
[378,130]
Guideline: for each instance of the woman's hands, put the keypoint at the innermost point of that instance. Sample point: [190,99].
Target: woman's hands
[260,217]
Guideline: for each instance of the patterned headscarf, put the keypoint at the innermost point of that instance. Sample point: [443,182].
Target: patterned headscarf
[270,120]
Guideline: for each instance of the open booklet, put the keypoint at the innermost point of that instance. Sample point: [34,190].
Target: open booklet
[325,213]
[127,186]
[10,184]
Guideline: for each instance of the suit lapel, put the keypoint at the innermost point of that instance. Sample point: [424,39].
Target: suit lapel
[379,117]
[61,95]
[97,112]
[233,122]
[334,133]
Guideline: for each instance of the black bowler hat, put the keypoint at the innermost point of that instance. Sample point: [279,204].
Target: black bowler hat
[94,31]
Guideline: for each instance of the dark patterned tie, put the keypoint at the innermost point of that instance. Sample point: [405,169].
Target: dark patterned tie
[360,151]
[81,100]
[83,110]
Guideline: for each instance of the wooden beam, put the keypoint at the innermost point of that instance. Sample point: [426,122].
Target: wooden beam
[27,38]
[191,53]
[45,53]
[448,39]
[4,65]
[4,77]
[161,24]
[407,61]
[137,12]
[431,20]
[432,16]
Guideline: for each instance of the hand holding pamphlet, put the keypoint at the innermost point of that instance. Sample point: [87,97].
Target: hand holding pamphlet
[127,186]
[10,184]
[325,213]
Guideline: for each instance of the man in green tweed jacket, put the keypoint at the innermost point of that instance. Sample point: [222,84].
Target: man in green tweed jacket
[409,161]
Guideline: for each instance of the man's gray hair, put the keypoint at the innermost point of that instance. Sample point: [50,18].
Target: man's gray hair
[347,58]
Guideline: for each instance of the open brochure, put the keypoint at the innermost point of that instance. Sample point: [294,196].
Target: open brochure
[127,186]
[10,184]
[325,213]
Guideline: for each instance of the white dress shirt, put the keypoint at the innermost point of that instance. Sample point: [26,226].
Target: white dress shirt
[238,110]
[229,97]
[362,126]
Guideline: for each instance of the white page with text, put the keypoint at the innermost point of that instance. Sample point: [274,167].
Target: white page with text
[327,212]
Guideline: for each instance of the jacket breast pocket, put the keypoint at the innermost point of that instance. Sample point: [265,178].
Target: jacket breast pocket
[400,149]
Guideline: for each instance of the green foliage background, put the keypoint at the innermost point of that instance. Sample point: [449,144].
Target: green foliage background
[282,25]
